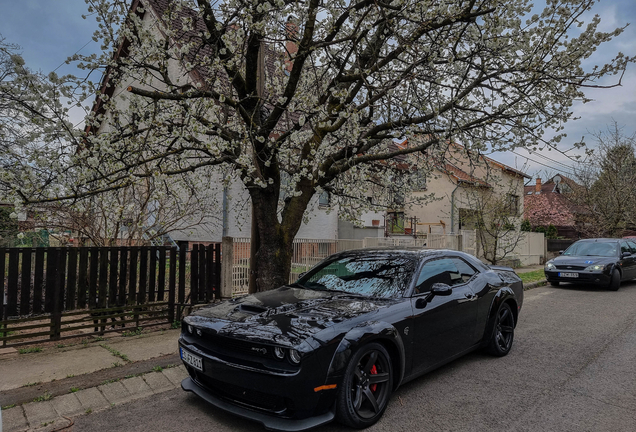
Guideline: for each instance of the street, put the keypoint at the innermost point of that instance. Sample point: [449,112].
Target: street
[572,368]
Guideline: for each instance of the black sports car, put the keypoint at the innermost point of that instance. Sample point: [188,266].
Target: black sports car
[337,342]
[604,262]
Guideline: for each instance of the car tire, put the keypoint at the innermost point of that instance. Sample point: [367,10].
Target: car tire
[503,332]
[555,283]
[615,281]
[366,387]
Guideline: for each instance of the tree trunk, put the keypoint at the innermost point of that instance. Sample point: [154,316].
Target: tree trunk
[272,261]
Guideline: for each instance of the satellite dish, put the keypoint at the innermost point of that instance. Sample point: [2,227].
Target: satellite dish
[557,179]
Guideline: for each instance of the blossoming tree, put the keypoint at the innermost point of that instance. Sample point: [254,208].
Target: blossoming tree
[293,98]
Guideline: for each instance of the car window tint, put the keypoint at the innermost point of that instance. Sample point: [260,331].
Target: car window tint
[465,270]
[625,247]
[441,270]
[376,276]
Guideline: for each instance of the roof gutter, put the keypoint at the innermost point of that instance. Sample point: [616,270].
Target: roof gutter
[453,208]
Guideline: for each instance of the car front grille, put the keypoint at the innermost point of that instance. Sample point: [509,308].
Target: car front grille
[570,267]
[214,342]
[244,396]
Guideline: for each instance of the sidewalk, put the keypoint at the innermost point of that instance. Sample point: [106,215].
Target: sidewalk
[45,390]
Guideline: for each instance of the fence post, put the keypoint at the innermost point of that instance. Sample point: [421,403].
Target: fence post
[56,313]
[183,251]
[172,285]
[227,262]
[3,305]
[217,270]
[195,276]
[460,242]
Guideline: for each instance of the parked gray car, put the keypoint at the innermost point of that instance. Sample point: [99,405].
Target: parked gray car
[604,262]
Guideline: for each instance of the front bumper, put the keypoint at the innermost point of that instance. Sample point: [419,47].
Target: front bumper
[270,422]
[593,278]
[283,401]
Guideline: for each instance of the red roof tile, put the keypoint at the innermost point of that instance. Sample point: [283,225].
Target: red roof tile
[463,176]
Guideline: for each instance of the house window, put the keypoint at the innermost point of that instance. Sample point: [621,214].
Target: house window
[324,200]
[420,180]
[397,198]
[512,204]
[396,222]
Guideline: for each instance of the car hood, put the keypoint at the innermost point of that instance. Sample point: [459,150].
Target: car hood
[582,261]
[285,316]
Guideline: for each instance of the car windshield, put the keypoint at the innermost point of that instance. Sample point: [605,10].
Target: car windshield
[604,249]
[373,276]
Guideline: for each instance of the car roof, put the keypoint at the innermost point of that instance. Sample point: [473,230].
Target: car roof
[598,240]
[397,250]
[415,252]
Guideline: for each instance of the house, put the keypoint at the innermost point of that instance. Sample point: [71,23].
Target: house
[223,208]
[551,203]
[458,187]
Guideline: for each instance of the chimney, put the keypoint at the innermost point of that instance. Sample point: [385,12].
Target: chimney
[537,188]
[291,46]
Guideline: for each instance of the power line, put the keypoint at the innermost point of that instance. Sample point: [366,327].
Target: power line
[64,62]
[546,165]
[552,160]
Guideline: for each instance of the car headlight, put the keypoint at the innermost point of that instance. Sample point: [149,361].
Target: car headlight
[550,266]
[595,267]
[294,356]
[279,352]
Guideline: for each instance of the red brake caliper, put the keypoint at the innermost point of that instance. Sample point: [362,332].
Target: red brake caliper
[373,371]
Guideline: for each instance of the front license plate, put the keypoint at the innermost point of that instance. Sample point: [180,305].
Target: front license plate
[572,275]
[194,361]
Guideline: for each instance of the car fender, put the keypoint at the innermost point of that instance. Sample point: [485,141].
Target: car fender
[360,335]
[618,267]
[502,296]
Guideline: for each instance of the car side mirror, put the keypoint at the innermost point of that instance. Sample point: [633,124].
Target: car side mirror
[437,289]
[560,252]
[441,289]
[625,254]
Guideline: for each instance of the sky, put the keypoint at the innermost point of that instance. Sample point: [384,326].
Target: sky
[49,31]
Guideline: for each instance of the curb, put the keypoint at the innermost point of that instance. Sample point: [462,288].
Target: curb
[62,386]
[532,285]
[56,413]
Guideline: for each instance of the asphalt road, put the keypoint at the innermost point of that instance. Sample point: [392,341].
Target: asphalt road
[572,368]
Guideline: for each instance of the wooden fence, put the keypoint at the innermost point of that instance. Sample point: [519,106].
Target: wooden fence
[555,245]
[56,293]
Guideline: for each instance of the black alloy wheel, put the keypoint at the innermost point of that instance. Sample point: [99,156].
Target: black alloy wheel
[503,332]
[615,281]
[366,387]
